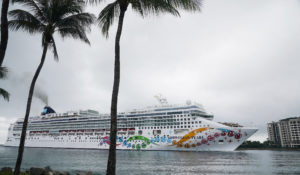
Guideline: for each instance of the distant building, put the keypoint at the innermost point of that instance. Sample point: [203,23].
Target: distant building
[273,133]
[285,132]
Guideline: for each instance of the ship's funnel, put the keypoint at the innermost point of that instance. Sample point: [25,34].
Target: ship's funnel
[48,110]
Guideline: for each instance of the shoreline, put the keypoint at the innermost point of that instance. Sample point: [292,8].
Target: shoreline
[270,149]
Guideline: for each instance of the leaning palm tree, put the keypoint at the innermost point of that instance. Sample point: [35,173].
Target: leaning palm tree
[3,74]
[4,30]
[65,17]
[116,10]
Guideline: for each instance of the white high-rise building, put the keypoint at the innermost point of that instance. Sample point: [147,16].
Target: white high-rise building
[285,132]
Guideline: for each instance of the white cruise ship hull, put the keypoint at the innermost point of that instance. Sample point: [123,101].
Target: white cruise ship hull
[200,139]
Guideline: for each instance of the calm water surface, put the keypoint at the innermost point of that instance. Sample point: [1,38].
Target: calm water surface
[158,162]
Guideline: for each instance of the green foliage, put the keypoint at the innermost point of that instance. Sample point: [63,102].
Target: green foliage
[257,144]
[65,17]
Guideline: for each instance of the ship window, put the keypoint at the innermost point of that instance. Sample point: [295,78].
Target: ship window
[192,122]
[188,118]
[181,126]
[189,126]
[188,122]
[171,127]
[196,122]
[184,122]
[184,119]
[156,132]
[151,127]
[140,132]
[181,122]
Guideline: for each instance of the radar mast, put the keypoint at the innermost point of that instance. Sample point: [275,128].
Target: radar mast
[161,99]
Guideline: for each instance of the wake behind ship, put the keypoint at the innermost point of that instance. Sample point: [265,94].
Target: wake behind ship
[184,127]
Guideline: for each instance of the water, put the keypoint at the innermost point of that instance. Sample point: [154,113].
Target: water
[158,162]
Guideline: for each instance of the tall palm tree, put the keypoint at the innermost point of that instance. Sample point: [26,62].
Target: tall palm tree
[3,93]
[4,30]
[116,10]
[65,17]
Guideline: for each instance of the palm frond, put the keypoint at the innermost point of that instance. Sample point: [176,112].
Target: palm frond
[3,72]
[49,16]
[25,21]
[137,6]
[4,94]
[24,25]
[189,5]
[81,19]
[34,7]
[153,7]
[107,17]
[61,9]
[74,32]
[94,2]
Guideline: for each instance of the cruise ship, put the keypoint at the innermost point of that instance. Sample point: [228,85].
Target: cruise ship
[185,127]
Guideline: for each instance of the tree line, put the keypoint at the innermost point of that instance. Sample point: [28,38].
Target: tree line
[67,18]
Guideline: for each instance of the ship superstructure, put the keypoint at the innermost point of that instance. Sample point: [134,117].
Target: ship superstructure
[184,127]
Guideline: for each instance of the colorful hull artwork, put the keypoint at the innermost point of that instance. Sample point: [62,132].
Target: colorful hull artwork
[205,138]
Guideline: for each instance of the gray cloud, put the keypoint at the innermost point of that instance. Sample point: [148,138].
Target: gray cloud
[238,58]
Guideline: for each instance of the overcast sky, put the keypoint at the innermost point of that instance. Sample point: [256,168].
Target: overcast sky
[240,59]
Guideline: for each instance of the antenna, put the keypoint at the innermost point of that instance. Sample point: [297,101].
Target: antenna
[161,99]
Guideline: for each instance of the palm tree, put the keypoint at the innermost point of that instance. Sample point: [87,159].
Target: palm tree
[116,10]
[64,17]
[3,74]
[4,30]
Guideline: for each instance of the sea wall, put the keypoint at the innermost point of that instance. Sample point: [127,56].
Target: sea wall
[41,171]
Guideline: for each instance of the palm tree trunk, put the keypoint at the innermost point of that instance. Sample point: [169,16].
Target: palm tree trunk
[111,163]
[24,129]
[4,30]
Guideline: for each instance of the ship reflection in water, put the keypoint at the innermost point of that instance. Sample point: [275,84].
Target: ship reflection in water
[158,162]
